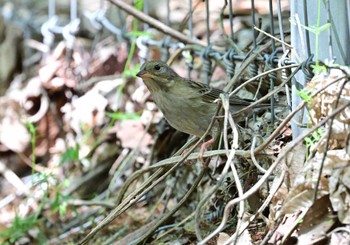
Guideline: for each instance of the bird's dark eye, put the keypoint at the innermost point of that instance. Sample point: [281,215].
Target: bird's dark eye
[157,67]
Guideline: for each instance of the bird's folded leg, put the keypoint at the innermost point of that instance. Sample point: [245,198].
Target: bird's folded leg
[204,148]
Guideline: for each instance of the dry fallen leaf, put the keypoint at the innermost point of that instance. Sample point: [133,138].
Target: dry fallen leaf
[13,133]
[132,134]
[87,111]
[316,222]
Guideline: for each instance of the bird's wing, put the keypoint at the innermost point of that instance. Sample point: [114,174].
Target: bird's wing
[210,94]
[207,93]
[235,100]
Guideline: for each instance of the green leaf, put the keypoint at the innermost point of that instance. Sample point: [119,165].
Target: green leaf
[139,34]
[317,30]
[70,154]
[318,68]
[31,127]
[324,27]
[138,4]
[320,131]
[132,72]
[316,136]
[304,95]
[188,56]
[63,209]
[122,116]
[19,228]
[312,29]
[60,203]
[309,142]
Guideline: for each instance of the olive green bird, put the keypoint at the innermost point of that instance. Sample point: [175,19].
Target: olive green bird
[187,105]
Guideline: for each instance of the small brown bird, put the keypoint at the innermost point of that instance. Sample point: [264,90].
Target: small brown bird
[187,105]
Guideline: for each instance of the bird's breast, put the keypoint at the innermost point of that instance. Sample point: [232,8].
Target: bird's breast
[191,116]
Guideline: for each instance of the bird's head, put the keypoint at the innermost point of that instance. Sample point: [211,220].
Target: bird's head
[157,74]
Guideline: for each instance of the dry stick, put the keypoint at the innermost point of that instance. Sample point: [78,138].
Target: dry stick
[285,121]
[339,229]
[130,237]
[252,156]
[245,64]
[163,165]
[267,173]
[122,207]
[170,161]
[13,178]
[271,93]
[327,141]
[264,178]
[155,23]
[260,210]
[145,184]
[174,210]
[280,41]
[275,38]
[284,74]
[201,204]
[187,47]
[225,103]
[226,37]
[268,236]
[213,190]
[174,228]
[221,179]
[36,167]
[272,136]
[70,232]
[133,198]
[133,177]
[261,75]
[128,202]
[230,155]
[244,154]
[257,150]
[79,202]
[289,117]
[240,193]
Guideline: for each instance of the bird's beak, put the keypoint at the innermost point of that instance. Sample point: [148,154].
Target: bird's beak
[143,74]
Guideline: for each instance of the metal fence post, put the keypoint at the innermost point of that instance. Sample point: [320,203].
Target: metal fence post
[333,43]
